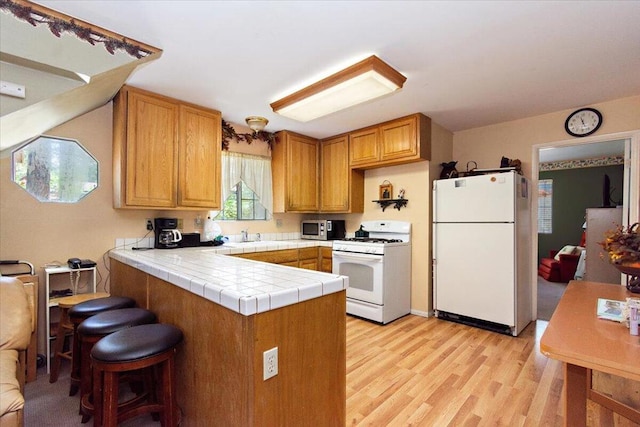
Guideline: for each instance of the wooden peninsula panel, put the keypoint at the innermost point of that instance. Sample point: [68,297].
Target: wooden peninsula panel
[219,364]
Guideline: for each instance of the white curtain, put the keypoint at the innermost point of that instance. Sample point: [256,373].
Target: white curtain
[254,171]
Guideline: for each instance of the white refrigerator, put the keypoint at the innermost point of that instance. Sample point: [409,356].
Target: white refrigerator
[481,251]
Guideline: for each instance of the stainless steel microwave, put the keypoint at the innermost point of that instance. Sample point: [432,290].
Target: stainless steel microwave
[322,229]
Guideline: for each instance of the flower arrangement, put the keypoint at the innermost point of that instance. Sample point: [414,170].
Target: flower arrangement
[622,244]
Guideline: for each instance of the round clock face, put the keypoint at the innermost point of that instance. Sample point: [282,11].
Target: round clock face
[583,122]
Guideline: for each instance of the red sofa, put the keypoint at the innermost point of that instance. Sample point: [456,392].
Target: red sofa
[562,270]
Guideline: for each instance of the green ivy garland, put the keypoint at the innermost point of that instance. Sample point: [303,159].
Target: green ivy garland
[229,133]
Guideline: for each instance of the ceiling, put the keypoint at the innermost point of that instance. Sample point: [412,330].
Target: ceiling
[468,64]
[62,77]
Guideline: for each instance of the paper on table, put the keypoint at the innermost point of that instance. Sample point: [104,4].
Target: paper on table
[610,309]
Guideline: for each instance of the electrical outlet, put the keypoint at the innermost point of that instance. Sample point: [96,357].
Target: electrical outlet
[149,224]
[270,360]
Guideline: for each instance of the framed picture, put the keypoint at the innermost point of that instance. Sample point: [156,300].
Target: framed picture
[386,191]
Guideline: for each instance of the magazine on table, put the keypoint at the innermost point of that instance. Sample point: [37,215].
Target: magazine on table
[610,309]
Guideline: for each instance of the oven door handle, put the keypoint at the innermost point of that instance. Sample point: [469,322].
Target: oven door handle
[365,257]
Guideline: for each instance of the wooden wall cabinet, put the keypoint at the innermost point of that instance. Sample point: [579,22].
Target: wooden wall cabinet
[328,176]
[341,188]
[295,171]
[364,147]
[166,153]
[403,140]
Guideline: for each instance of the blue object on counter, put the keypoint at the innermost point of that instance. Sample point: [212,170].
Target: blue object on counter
[218,241]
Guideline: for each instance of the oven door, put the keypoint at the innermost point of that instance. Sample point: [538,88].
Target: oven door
[365,272]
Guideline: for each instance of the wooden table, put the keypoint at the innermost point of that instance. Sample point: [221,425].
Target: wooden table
[583,342]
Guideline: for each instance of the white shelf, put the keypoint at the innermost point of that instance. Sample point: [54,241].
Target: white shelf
[86,284]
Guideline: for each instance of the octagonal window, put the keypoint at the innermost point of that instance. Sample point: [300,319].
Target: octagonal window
[55,169]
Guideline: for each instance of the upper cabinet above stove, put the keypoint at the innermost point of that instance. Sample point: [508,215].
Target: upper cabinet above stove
[328,176]
[314,176]
[399,141]
[295,172]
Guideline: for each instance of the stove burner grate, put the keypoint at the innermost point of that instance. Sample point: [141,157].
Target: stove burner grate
[371,240]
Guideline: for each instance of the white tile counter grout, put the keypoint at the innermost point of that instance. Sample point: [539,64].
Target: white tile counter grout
[244,286]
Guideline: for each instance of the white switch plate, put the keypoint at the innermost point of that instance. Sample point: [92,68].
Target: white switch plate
[12,89]
[270,360]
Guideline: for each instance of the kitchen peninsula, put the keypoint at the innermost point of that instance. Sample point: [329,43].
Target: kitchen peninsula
[231,310]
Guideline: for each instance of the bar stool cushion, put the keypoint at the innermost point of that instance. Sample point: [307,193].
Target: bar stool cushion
[108,322]
[138,342]
[92,307]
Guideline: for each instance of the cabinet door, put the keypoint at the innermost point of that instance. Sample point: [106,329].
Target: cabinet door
[309,258]
[326,263]
[285,256]
[334,183]
[309,264]
[398,139]
[151,151]
[199,158]
[363,147]
[302,174]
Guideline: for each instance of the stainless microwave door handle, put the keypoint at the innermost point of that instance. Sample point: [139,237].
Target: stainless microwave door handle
[365,257]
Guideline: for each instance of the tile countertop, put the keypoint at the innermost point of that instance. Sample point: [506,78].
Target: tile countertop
[244,286]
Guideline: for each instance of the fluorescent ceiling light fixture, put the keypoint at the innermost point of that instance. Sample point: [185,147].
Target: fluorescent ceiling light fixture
[366,80]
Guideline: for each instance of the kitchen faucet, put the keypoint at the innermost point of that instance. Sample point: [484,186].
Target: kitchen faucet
[245,235]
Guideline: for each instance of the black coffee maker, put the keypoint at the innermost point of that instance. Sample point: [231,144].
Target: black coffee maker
[167,233]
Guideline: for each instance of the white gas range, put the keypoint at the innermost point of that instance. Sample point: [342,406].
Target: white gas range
[379,270]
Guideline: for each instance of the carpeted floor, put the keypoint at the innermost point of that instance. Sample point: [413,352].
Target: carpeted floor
[50,404]
[549,293]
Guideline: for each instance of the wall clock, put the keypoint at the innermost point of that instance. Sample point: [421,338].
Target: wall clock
[583,122]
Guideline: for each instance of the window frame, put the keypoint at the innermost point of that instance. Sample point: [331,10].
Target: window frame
[239,189]
[545,206]
[54,161]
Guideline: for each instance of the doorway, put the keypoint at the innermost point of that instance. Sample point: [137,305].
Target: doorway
[547,294]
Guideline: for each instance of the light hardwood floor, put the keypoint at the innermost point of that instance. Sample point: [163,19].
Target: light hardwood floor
[428,372]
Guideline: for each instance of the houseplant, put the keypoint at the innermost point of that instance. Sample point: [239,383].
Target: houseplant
[623,247]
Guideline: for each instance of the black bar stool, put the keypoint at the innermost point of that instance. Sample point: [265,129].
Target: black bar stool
[80,312]
[150,347]
[91,331]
